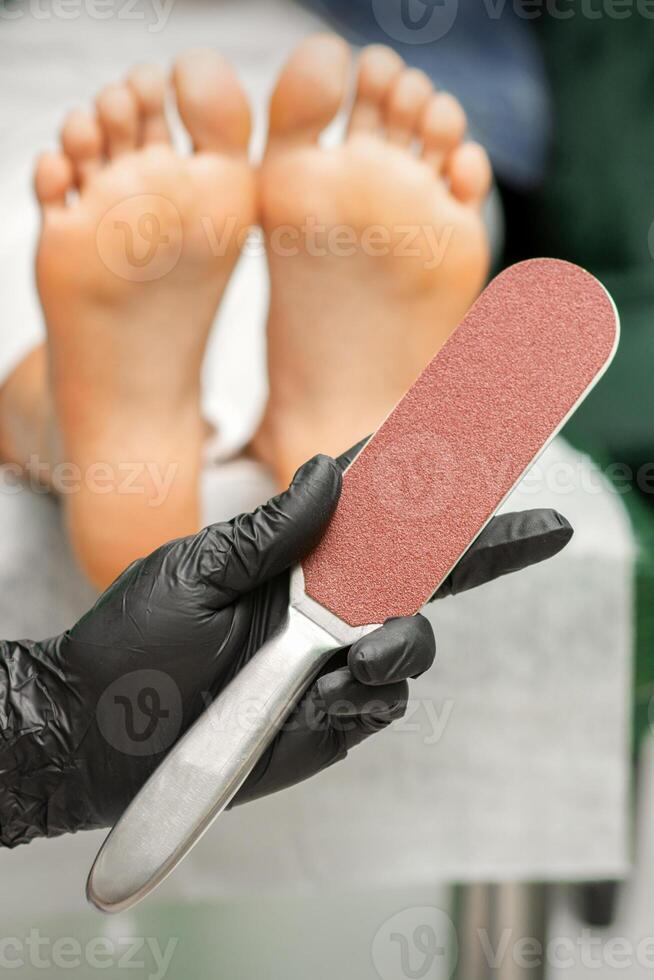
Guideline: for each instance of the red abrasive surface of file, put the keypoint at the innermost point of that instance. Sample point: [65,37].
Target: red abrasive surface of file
[461,438]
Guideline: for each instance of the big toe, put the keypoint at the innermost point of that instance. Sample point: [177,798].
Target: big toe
[211,102]
[309,91]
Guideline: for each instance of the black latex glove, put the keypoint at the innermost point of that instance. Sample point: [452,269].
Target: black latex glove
[86,717]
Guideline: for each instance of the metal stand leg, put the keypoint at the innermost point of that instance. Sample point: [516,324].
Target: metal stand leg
[502,932]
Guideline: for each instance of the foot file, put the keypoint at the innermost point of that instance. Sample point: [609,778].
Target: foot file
[413,500]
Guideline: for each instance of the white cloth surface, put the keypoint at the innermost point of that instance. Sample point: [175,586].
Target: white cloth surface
[514,760]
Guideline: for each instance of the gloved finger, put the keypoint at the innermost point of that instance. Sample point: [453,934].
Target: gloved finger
[340,695]
[509,543]
[313,739]
[401,648]
[357,730]
[240,555]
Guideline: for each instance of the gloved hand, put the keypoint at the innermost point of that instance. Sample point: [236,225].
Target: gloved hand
[86,717]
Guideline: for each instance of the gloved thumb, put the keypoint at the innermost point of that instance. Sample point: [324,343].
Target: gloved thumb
[244,553]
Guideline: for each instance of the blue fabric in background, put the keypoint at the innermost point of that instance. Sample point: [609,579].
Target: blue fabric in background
[483,51]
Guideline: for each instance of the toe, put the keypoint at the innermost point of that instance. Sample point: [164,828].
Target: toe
[212,103]
[442,127]
[379,67]
[53,179]
[82,142]
[469,172]
[118,115]
[310,90]
[148,84]
[405,104]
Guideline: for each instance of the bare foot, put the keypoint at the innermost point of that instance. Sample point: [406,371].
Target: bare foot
[376,247]
[137,246]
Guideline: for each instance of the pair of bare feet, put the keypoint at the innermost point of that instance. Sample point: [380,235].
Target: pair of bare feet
[376,248]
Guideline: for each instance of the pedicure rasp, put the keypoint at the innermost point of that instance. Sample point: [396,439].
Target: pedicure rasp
[413,500]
